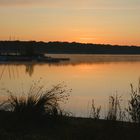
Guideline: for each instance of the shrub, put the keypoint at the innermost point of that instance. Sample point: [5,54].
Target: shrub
[134,104]
[38,101]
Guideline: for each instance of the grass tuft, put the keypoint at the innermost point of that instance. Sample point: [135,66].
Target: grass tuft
[38,101]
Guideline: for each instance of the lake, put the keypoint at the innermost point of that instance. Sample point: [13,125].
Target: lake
[89,76]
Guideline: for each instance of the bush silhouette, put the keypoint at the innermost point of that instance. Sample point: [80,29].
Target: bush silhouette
[37,102]
[134,104]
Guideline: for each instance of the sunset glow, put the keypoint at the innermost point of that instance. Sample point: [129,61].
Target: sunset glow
[86,21]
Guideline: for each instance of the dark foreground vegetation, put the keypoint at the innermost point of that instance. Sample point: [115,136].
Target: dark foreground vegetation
[37,115]
[64,128]
[33,47]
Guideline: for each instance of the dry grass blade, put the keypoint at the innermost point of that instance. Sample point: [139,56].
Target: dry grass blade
[38,101]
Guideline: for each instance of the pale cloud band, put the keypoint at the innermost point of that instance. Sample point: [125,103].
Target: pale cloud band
[23,2]
[48,3]
[77,4]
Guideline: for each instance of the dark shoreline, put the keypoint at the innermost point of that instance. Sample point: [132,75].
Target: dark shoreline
[67,128]
[37,59]
[66,48]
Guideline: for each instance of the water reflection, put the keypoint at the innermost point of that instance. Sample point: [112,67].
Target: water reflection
[29,69]
[12,69]
[89,76]
[77,59]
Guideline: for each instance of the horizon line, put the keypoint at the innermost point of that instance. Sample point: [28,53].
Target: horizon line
[37,41]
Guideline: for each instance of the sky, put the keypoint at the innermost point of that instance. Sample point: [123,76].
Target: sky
[85,21]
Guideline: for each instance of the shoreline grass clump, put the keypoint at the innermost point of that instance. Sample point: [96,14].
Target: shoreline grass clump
[95,111]
[115,111]
[38,101]
[134,104]
[113,108]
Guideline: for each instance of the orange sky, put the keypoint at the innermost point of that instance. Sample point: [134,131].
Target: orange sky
[89,21]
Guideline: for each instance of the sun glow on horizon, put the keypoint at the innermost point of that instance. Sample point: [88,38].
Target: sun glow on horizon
[85,21]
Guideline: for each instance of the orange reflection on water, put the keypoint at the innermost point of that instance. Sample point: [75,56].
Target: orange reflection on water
[89,77]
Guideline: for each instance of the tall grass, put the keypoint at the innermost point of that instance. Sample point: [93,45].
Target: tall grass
[95,111]
[115,111]
[134,104]
[38,101]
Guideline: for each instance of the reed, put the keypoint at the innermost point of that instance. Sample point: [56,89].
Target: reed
[38,101]
[134,103]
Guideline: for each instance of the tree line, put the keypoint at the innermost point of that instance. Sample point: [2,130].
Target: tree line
[65,48]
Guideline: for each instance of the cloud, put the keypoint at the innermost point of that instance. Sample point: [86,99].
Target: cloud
[22,2]
[77,4]
[47,2]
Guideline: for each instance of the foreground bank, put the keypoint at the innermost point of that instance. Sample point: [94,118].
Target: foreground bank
[64,128]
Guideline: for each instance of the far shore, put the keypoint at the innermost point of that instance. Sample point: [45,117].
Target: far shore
[65,48]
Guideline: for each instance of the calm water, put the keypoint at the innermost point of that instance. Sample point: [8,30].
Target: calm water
[90,77]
